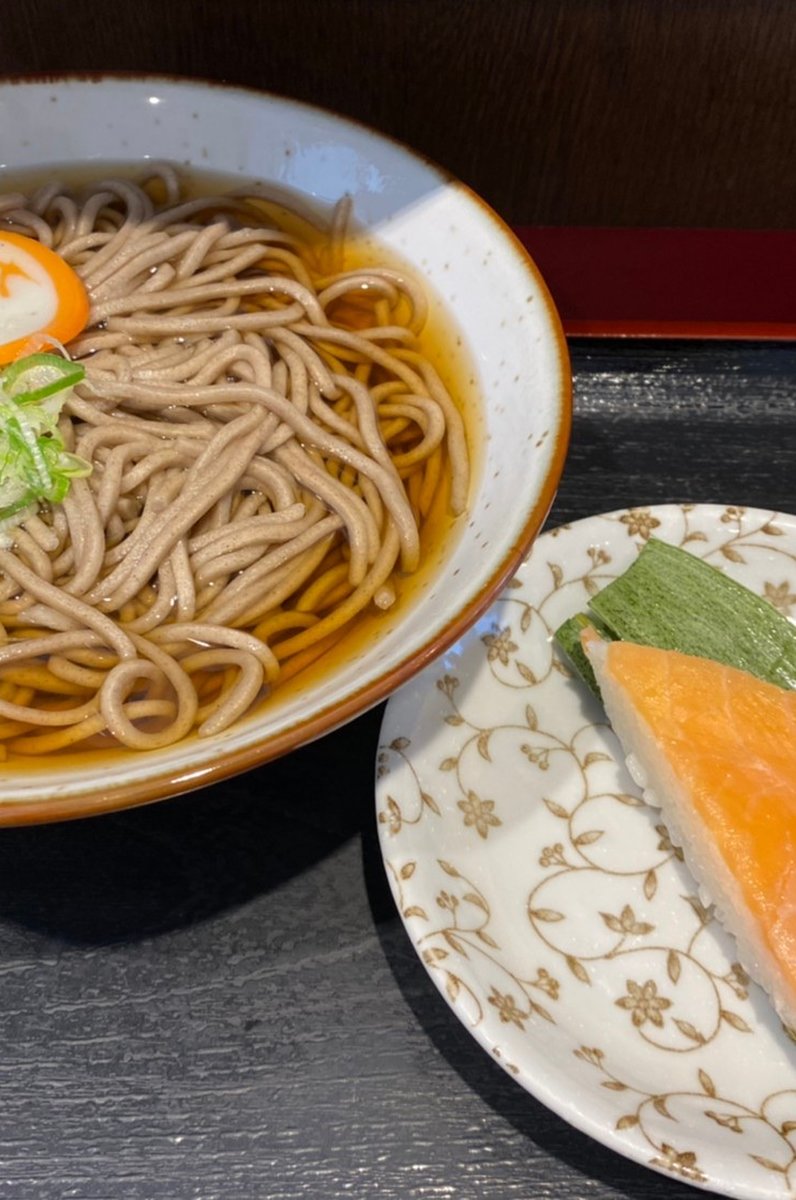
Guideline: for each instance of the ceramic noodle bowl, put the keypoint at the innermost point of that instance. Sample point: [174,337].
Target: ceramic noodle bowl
[481,288]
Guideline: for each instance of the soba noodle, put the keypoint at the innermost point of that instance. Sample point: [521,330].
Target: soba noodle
[265,439]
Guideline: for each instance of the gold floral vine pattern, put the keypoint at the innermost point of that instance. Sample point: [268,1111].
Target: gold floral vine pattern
[705,1099]
[463,933]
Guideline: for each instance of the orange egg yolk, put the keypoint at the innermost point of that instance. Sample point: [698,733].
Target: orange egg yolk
[39,294]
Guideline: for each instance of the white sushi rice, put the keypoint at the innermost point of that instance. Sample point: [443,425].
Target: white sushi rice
[661,787]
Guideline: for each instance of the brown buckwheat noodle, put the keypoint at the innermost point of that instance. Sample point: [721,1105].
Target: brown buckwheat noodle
[265,439]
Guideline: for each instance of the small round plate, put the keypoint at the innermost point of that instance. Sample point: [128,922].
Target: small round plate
[547,901]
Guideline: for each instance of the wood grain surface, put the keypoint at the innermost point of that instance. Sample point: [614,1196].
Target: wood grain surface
[213,998]
[588,112]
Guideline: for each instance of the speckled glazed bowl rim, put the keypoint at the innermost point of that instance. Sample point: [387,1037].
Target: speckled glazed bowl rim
[172,781]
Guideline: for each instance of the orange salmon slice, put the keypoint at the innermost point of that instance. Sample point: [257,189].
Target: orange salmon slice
[715,749]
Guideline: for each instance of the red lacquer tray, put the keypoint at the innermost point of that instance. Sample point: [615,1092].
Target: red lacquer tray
[703,283]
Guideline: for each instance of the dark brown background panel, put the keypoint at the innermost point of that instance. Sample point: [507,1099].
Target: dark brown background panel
[648,112]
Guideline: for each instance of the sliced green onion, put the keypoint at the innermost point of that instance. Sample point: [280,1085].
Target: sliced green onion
[32,379]
[34,462]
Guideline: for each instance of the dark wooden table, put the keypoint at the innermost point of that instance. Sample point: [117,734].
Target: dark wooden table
[213,998]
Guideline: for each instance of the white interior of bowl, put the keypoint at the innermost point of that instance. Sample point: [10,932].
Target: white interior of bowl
[435,225]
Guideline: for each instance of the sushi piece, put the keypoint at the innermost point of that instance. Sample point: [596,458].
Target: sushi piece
[715,749]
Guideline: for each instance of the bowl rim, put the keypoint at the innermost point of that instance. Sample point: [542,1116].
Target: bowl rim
[173,782]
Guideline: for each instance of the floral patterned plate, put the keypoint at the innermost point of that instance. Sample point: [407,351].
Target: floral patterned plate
[546,900]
